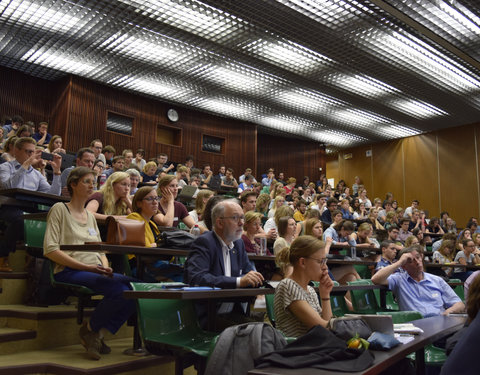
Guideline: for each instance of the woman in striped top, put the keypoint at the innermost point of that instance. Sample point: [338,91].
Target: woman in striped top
[296,304]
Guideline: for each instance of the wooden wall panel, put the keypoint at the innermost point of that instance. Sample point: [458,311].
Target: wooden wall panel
[23,95]
[90,102]
[458,175]
[388,170]
[359,165]
[293,157]
[332,165]
[420,160]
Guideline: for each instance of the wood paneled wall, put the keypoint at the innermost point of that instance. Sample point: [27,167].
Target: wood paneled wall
[440,169]
[24,95]
[296,158]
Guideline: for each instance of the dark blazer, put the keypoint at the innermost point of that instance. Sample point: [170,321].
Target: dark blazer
[205,266]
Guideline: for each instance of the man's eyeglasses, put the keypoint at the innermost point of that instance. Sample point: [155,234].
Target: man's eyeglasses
[236,218]
[322,261]
[152,199]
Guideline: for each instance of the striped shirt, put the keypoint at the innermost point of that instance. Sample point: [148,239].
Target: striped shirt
[287,292]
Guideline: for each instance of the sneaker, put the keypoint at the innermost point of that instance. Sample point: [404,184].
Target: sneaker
[104,348]
[91,342]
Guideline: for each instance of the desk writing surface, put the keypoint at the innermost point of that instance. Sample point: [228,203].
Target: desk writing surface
[434,328]
[126,249]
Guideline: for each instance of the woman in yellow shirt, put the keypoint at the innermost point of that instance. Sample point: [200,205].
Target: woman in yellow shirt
[145,206]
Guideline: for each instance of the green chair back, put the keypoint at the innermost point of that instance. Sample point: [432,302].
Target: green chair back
[170,324]
[34,232]
[458,289]
[269,305]
[402,316]
[363,271]
[364,301]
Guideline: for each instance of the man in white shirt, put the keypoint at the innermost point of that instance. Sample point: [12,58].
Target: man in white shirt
[21,173]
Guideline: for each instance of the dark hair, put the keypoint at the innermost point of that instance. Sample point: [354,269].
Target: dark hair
[248,193]
[473,298]
[392,227]
[345,224]
[117,158]
[404,220]
[189,158]
[139,195]
[75,175]
[283,225]
[140,151]
[207,212]
[109,148]
[300,202]
[331,200]
[17,118]
[386,243]
[83,151]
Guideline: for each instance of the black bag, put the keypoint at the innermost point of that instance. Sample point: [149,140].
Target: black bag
[345,328]
[178,239]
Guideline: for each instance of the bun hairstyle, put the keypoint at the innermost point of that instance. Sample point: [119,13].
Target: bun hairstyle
[301,247]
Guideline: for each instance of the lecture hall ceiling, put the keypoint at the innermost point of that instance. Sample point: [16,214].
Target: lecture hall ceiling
[340,72]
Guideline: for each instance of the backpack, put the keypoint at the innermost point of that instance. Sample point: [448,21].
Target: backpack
[239,345]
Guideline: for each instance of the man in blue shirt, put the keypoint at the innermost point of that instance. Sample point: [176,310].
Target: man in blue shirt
[389,252]
[42,136]
[21,173]
[417,290]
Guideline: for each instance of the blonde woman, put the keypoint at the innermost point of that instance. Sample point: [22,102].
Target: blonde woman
[113,197]
[261,206]
[148,174]
[202,198]
[279,201]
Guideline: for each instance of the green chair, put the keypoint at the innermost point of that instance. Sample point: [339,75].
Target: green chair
[458,289]
[269,305]
[364,301]
[337,302]
[34,235]
[169,326]
[434,356]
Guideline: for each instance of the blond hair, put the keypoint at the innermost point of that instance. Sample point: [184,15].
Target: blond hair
[111,205]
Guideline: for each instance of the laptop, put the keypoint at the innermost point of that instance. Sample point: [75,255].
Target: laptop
[215,182]
[377,323]
[187,193]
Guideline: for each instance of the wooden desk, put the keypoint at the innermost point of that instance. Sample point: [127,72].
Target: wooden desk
[28,200]
[434,329]
[438,265]
[360,261]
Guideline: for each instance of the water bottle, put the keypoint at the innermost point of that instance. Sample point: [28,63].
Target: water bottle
[195,230]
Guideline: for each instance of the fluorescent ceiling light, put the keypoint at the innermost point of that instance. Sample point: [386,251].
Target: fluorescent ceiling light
[156,88]
[417,109]
[416,55]
[356,118]
[225,108]
[398,131]
[54,60]
[362,85]
[239,81]
[307,101]
[465,22]
[289,55]
[28,13]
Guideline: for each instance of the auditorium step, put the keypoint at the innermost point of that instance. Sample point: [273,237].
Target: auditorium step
[73,361]
[8,334]
[54,326]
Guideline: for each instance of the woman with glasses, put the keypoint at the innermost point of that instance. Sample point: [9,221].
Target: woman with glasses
[469,255]
[296,304]
[98,168]
[71,224]
[145,206]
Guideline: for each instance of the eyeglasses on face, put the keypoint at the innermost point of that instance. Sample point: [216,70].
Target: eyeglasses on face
[152,199]
[236,218]
[322,261]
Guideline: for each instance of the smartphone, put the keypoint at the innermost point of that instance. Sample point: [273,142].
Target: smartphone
[47,156]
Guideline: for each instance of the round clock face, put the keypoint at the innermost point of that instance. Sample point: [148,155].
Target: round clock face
[172,115]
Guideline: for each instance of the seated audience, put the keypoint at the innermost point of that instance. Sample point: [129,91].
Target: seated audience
[24,131]
[311,213]
[404,233]
[291,182]
[360,212]
[272,223]
[252,232]
[200,202]
[85,158]
[139,160]
[70,223]
[281,178]
[301,208]
[21,173]
[12,128]
[9,149]
[409,210]
[390,219]
[206,175]
[171,212]
[248,172]
[98,168]
[286,233]
[373,218]
[118,165]
[148,175]
[296,305]
[144,207]
[97,146]
[128,158]
[362,198]
[313,227]
[279,201]
[263,201]
[134,179]
[246,185]
[42,136]
[389,252]
[468,255]
[332,204]
[417,290]
[320,203]
[108,153]
[248,201]
[183,176]
[163,165]
[269,178]
[443,255]
[113,198]
[228,181]
[218,258]
[55,145]
[345,209]
[434,226]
